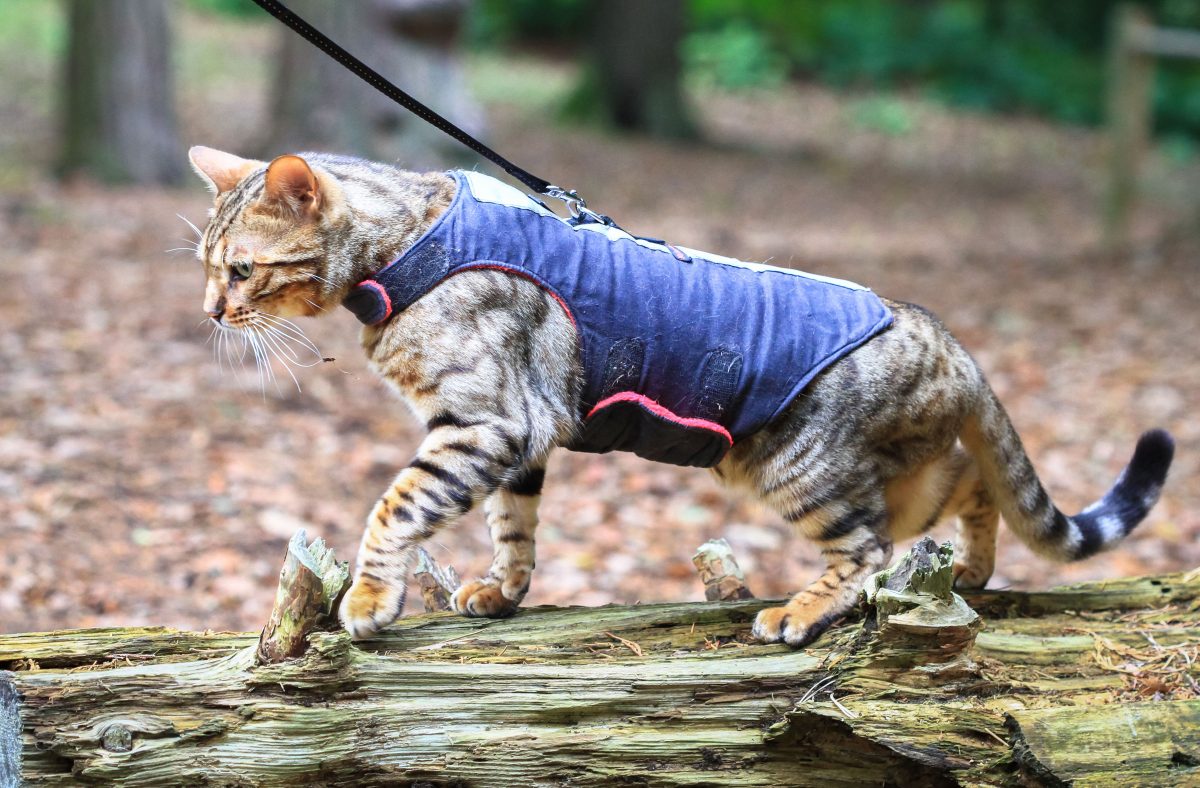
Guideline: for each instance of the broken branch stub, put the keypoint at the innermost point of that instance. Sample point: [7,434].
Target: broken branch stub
[913,601]
[438,583]
[722,577]
[311,584]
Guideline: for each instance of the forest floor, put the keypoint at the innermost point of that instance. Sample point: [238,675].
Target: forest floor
[141,483]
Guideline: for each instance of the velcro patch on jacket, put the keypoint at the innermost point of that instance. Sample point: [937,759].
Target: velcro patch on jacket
[628,421]
[397,287]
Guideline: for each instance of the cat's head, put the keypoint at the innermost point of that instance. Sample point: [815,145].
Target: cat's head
[265,247]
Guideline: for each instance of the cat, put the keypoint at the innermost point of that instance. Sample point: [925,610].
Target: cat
[891,434]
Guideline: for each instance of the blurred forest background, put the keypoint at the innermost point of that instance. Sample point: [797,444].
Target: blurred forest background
[954,153]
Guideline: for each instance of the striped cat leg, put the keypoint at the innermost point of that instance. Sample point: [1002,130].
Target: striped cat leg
[512,519]
[855,544]
[975,540]
[455,466]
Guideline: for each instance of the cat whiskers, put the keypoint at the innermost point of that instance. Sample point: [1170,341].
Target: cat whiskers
[263,361]
[289,332]
[274,338]
[193,246]
[195,229]
[224,349]
[269,338]
[215,345]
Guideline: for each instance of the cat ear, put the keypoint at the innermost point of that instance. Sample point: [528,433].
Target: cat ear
[291,184]
[220,171]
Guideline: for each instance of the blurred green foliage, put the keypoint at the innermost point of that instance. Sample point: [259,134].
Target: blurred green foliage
[734,56]
[503,21]
[230,7]
[29,27]
[883,114]
[1045,57]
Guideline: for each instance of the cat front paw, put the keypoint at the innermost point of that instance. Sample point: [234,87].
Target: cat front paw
[369,606]
[483,599]
[789,624]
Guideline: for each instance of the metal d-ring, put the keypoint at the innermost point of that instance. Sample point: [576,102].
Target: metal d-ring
[577,207]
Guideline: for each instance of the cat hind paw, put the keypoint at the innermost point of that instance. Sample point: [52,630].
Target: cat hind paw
[968,577]
[482,599]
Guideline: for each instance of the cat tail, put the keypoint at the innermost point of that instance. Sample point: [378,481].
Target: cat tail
[1008,474]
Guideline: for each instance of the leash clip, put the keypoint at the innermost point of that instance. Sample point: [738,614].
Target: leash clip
[577,207]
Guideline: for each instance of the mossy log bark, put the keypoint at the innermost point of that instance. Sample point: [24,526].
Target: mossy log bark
[1093,684]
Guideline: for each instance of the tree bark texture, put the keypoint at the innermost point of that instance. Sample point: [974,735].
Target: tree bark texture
[634,79]
[318,105]
[1130,116]
[118,107]
[1092,684]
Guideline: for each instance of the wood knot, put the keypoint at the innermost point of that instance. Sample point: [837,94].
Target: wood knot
[117,738]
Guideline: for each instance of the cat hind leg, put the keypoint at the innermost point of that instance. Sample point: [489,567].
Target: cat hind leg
[975,539]
[512,519]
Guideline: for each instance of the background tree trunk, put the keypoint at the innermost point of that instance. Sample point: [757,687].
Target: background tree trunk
[634,79]
[118,109]
[319,105]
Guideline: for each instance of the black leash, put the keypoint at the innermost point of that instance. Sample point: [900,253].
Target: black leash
[580,213]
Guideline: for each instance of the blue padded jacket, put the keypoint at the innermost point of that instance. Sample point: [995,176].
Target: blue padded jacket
[683,352]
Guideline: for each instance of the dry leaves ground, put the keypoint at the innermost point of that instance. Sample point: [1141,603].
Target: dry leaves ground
[141,484]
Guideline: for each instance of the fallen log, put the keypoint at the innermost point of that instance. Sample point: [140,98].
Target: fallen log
[1092,684]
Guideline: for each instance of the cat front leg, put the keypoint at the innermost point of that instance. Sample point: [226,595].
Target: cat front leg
[456,465]
[512,519]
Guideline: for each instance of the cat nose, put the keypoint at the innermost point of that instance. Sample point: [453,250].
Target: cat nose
[217,310]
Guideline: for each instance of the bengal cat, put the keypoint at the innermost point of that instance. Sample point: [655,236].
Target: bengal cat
[884,442]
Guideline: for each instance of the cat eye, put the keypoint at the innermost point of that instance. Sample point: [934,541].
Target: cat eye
[242,269]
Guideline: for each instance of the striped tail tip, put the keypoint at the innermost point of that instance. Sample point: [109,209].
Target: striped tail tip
[1109,520]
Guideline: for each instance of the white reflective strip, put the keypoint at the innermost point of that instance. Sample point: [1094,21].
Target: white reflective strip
[617,234]
[716,258]
[485,188]
[720,258]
